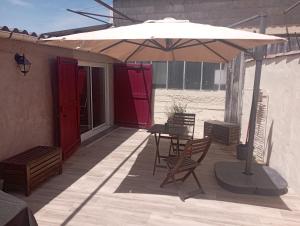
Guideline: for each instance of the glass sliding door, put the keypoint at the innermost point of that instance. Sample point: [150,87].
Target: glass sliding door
[84,90]
[92,91]
[98,96]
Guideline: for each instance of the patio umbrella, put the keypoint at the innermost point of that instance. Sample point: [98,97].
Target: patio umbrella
[178,40]
[166,40]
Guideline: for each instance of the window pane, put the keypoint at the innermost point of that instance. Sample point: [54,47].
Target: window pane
[221,77]
[175,75]
[192,75]
[209,73]
[159,74]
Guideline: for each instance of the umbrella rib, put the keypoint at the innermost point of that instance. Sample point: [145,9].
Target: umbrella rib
[112,45]
[135,51]
[175,43]
[191,45]
[183,43]
[157,43]
[212,50]
[235,46]
[136,43]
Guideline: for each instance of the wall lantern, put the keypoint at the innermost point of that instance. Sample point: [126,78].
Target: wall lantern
[23,63]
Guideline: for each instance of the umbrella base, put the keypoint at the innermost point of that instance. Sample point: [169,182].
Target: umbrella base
[263,181]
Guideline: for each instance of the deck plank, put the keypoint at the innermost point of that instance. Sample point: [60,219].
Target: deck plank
[110,182]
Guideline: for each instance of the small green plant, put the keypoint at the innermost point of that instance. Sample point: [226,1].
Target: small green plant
[176,107]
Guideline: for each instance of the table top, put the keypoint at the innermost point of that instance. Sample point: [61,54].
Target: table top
[14,211]
[172,130]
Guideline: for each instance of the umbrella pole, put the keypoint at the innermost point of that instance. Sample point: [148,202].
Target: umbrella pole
[259,54]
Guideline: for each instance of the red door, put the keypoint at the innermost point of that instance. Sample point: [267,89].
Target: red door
[68,105]
[132,95]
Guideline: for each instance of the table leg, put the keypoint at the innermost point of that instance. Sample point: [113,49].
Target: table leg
[157,155]
[157,148]
[178,146]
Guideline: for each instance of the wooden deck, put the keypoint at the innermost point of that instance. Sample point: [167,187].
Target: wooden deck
[110,182]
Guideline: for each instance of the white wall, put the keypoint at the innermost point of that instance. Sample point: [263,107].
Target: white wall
[207,105]
[281,83]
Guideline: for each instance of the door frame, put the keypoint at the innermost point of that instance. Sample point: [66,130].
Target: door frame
[106,125]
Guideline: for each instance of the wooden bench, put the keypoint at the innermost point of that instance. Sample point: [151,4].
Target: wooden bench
[222,132]
[29,169]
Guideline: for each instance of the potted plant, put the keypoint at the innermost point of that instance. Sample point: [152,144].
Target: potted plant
[176,107]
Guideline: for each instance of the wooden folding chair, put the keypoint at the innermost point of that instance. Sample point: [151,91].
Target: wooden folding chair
[185,165]
[182,119]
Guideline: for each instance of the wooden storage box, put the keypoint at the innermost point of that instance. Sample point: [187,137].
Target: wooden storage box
[223,132]
[27,170]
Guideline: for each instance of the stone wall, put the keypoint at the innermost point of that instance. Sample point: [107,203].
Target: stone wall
[280,86]
[26,111]
[207,105]
[214,12]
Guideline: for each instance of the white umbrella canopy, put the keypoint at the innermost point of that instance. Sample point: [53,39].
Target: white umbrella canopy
[167,39]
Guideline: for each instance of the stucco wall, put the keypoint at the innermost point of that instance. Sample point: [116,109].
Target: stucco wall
[207,105]
[281,84]
[26,103]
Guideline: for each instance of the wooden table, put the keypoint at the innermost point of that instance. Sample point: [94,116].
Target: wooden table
[168,132]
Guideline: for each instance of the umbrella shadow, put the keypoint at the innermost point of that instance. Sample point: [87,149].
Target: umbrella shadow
[140,179]
[79,164]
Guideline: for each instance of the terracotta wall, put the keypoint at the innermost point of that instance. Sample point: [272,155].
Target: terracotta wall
[26,103]
[280,85]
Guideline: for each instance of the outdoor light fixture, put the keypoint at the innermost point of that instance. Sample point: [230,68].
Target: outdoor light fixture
[23,63]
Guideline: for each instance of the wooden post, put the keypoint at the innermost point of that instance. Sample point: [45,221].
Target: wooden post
[259,53]
[234,88]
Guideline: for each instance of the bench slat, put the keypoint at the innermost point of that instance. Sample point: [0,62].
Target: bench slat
[29,169]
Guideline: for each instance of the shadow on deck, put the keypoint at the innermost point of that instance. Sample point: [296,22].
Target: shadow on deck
[116,170]
[140,179]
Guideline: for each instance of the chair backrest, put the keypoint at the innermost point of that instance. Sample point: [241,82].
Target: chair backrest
[197,146]
[191,149]
[184,119]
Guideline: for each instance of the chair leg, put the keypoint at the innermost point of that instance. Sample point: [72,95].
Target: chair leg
[170,148]
[157,155]
[197,181]
[181,194]
[187,175]
[175,182]
[170,178]
[165,180]
[195,192]
[154,166]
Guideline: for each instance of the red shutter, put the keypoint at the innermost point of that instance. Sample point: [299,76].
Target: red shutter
[132,95]
[68,105]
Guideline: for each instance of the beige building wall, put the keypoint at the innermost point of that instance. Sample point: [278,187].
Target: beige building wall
[280,83]
[214,12]
[207,105]
[26,103]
